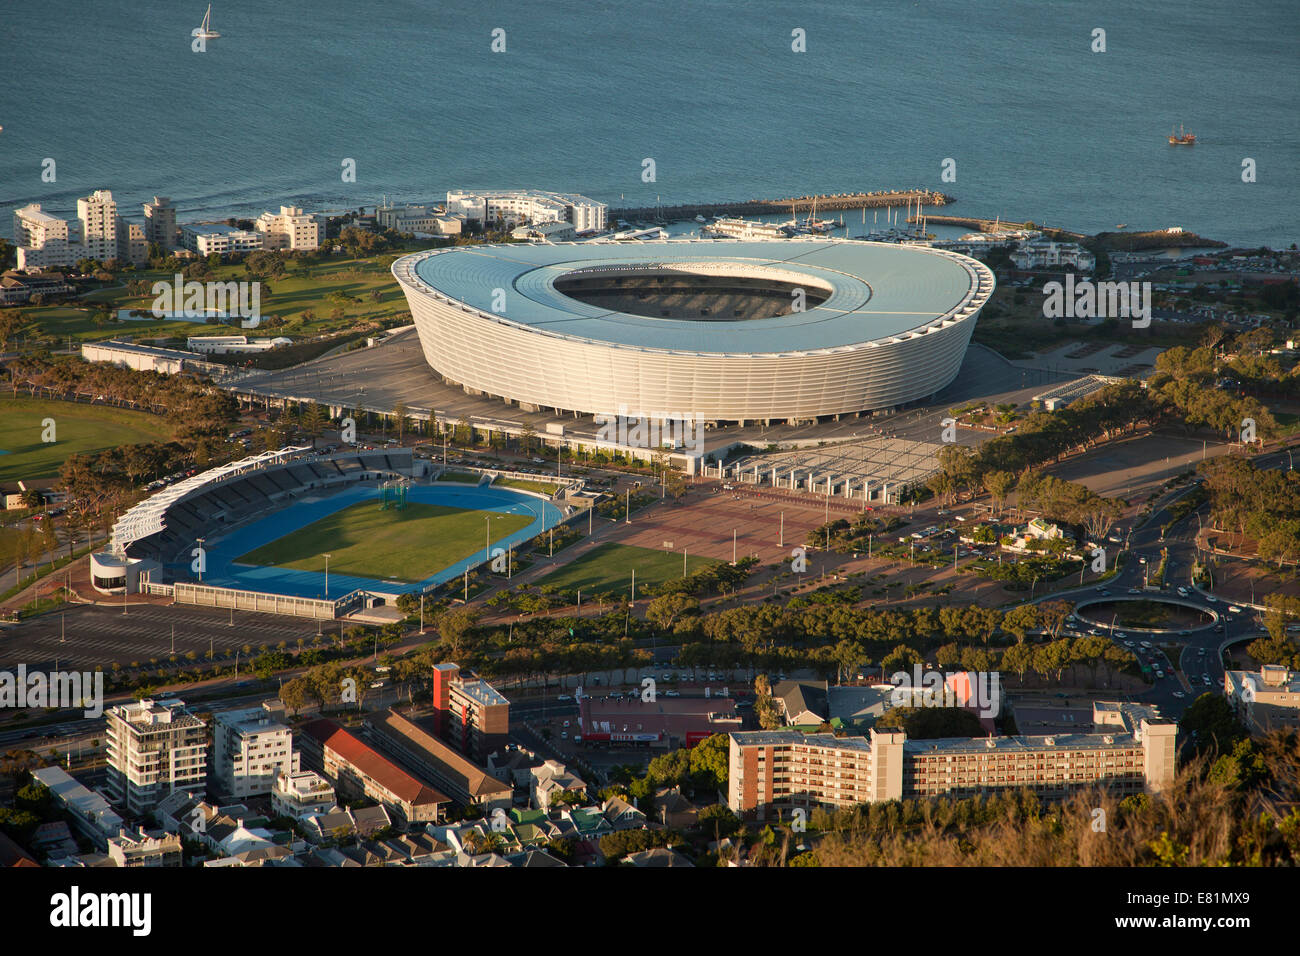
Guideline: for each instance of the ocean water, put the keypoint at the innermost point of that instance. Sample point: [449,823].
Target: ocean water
[1038,125]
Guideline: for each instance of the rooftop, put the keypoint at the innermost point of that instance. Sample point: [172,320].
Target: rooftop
[877,291]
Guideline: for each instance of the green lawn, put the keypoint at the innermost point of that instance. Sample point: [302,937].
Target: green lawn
[77,428]
[335,283]
[609,567]
[523,484]
[463,477]
[408,545]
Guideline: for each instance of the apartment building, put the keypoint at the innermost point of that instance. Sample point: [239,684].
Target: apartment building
[154,748]
[508,208]
[250,747]
[207,238]
[160,222]
[301,793]
[1266,699]
[288,229]
[132,246]
[1043,253]
[358,770]
[469,713]
[98,215]
[773,772]
[42,240]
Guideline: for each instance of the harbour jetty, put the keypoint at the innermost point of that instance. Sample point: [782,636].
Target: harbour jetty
[993,225]
[769,207]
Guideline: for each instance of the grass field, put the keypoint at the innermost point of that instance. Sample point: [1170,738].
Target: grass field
[77,428]
[609,568]
[407,545]
[343,285]
[462,477]
[523,484]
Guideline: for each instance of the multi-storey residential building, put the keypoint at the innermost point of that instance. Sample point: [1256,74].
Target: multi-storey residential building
[470,714]
[288,229]
[1266,699]
[160,222]
[772,772]
[1040,253]
[206,238]
[140,849]
[98,215]
[507,208]
[249,748]
[132,246]
[358,770]
[301,793]
[417,218]
[154,748]
[43,240]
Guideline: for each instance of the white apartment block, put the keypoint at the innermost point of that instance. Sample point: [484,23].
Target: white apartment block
[154,748]
[510,208]
[1266,699]
[160,222]
[42,240]
[98,215]
[288,229]
[206,239]
[250,747]
[301,793]
[1044,254]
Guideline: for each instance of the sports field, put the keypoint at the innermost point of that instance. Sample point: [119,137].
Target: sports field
[609,568]
[77,428]
[407,545]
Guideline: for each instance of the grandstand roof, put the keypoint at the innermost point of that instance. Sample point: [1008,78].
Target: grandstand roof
[877,291]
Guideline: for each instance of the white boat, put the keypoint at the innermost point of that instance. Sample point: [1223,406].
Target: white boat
[205,30]
[700,219]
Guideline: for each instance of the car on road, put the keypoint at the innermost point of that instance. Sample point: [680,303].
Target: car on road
[1232,608]
[1179,694]
[1211,599]
[671,693]
[1160,675]
[1134,590]
[563,698]
[1208,680]
[1184,633]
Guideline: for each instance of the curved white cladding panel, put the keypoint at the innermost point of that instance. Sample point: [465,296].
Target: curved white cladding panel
[884,336]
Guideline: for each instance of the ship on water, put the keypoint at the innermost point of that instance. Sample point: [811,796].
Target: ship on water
[729,228]
[1182,138]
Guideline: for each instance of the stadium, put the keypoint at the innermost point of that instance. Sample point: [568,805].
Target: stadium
[267,526]
[723,330]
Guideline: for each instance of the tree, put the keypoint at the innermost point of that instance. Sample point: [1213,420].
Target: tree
[295,694]
[667,610]
[709,760]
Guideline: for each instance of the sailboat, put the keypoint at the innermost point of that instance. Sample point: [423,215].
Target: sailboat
[205,32]
[1183,138]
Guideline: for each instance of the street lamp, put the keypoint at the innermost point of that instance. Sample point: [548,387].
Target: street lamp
[327,577]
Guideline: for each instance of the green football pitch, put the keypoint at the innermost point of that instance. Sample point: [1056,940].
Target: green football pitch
[609,568]
[407,545]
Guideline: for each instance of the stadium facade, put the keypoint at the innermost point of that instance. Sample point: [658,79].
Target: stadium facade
[823,327]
